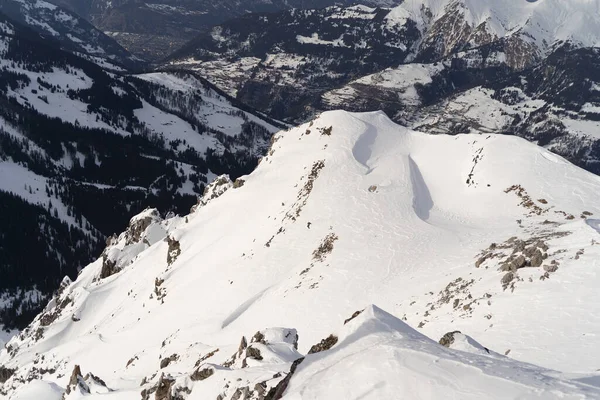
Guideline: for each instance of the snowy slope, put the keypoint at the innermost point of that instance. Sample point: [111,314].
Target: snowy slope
[83,147]
[345,211]
[71,31]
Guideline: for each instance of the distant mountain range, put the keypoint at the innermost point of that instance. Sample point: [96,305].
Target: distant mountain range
[154,29]
[454,66]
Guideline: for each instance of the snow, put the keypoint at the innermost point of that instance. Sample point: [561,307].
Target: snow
[172,127]
[371,213]
[594,224]
[22,182]
[38,390]
[583,127]
[380,357]
[68,27]
[5,336]
[314,39]
[216,111]
[354,12]
[6,29]
[546,22]
[57,103]
[44,25]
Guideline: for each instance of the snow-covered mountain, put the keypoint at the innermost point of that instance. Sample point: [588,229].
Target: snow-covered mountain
[263,291]
[522,68]
[156,28]
[286,51]
[555,103]
[70,31]
[83,147]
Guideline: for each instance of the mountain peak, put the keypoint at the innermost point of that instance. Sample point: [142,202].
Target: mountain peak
[452,237]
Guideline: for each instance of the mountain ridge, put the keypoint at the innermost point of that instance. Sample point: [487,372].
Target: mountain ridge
[83,146]
[357,206]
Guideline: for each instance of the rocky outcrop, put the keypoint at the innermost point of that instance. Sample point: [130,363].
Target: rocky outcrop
[279,390]
[173,251]
[324,345]
[165,362]
[202,374]
[354,315]
[144,230]
[76,383]
[163,389]
[448,338]
[213,190]
[139,224]
[109,267]
[5,373]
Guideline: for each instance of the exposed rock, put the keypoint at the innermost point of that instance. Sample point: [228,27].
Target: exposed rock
[258,338]
[551,268]
[76,381]
[545,276]
[243,345]
[131,361]
[205,357]
[52,315]
[324,345]
[202,374]
[174,250]
[507,279]
[238,354]
[326,131]
[448,338]
[64,284]
[109,267]
[89,377]
[325,248]
[526,201]
[536,259]
[6,373]
[514,264]
[238,183]
[137,226]
[261,390]
[242,393]
[254,353]
[519,246]
[159,291]
[481,260]
[166,361]
[214,190]
[163,390]
[305,192]
[282,386]
[354,315]
[75,375]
